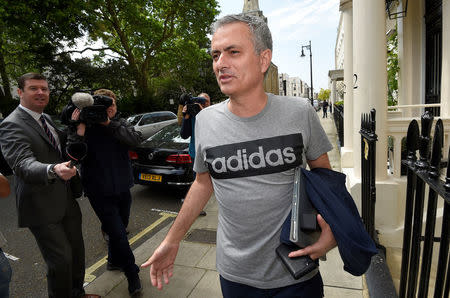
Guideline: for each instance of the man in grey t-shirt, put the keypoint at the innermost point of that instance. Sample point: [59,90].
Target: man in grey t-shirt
[247,155]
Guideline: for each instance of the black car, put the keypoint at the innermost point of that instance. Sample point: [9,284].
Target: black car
[163,159]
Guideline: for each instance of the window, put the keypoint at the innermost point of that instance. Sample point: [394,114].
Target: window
[147,119]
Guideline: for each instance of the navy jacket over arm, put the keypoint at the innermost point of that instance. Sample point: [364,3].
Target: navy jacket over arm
[327,192]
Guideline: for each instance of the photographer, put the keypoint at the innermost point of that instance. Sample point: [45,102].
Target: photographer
[188,124]
[107,178]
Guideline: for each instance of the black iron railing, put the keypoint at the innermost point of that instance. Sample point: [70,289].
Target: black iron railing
[368,191]
[338,116]
[378,277]
[423,173]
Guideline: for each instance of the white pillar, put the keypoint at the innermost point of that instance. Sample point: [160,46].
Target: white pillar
[347,150]
[369,64]
[411,47]
[445,79]
[333,92]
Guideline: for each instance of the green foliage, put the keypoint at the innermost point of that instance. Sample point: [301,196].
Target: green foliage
[324,94]
[392,69]
[158,39]
[31,32]
[69,76]
[159,49]
[339,103]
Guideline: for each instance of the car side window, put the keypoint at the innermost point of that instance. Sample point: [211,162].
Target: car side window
[158,118]
[147,119]
[168,116]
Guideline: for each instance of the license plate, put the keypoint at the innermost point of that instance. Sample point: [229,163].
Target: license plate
[150,177]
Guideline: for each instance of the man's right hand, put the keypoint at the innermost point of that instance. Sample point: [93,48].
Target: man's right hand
[64,171]
[161,263]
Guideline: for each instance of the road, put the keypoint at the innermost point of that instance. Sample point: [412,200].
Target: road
[29,269]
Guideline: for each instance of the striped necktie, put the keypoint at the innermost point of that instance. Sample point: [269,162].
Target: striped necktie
[49,133]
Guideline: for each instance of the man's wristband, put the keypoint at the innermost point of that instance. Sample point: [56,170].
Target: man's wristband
[51,172]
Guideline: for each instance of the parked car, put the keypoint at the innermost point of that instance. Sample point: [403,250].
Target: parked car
[163,159]
[316,104]
[150,123]
[4,167]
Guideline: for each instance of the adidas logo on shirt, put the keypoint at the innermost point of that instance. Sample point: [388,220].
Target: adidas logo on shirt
[258,157]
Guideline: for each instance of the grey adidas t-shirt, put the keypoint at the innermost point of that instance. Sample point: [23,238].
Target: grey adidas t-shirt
[251,162]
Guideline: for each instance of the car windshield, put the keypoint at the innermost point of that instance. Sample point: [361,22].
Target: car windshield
[134,119]
[169,133]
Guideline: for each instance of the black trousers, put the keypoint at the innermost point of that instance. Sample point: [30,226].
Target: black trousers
[311,288]
[62,247]
[114,213]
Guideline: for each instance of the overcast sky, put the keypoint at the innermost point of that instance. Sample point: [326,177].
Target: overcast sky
[294,23]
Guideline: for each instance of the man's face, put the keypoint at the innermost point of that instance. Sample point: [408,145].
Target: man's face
[35,95]
[238,69]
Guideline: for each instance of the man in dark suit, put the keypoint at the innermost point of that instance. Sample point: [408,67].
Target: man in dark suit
[33,147]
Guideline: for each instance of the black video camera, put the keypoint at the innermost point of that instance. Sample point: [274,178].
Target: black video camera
[93,108]
[192,103]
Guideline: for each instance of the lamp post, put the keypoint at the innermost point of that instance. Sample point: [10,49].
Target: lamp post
[308,47]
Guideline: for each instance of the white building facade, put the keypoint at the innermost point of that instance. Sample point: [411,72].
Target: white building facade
[423,28]
[293,86]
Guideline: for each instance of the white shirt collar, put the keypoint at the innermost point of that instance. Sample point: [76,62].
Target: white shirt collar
[36,116]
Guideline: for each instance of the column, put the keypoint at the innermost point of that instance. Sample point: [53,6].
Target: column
[347,150]
[369,65]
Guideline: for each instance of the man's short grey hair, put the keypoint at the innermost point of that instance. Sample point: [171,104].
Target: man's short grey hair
[262,38]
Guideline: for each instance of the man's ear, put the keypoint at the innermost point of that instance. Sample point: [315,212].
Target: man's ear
[265,58]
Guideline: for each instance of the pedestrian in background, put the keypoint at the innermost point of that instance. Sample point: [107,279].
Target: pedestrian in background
[34,149]
[324,108]
[107,178]
[247,148]
[5,268]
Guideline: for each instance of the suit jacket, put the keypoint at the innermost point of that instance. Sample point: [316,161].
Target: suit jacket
[28,152]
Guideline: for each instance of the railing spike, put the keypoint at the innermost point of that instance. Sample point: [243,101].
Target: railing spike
[424,140]
[412,140]
[436,152]
[447,176]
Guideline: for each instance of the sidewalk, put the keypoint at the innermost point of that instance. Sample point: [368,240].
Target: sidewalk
[194,271]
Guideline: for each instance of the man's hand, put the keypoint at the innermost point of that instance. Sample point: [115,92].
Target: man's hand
[325,243]
[163,258]
[161,263]
[64,171]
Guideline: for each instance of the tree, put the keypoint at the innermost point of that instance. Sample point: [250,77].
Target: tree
[31,32]
[160,40]
[392,69]
[324,94]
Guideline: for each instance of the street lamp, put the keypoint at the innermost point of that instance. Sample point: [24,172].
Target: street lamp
[308,47]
